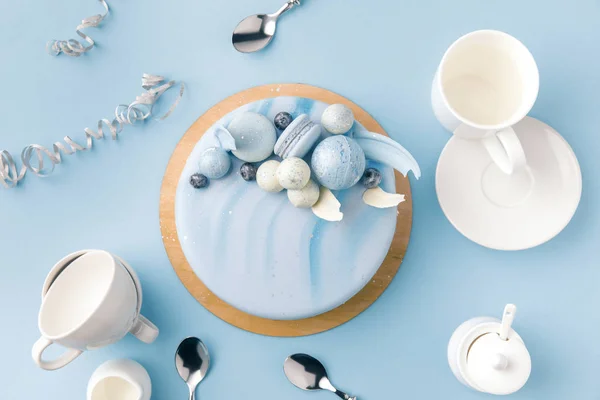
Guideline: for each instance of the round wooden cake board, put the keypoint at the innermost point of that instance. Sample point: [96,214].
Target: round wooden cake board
[286,328]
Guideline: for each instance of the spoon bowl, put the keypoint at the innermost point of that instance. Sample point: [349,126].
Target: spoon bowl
[192,361]
[255,32]
[307,373]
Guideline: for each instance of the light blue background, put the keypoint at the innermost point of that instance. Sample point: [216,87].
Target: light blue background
[380,54]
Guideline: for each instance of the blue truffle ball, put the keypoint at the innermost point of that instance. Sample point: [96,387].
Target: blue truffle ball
[338,162]
[254,135]
[372,178]
[198,181]
[214,163]
[282,120]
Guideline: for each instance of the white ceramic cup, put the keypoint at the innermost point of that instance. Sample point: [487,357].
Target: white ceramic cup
[91,303]
[120,380]
[486,82]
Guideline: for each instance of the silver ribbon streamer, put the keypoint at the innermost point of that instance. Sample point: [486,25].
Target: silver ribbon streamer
[73,47]
[34,156]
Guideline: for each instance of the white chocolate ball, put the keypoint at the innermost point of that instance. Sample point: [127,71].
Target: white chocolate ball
[293,173]
[337,119]
[266,177]
[305,197]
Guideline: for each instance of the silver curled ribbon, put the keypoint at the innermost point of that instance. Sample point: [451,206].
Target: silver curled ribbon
[73,47]
[34,156]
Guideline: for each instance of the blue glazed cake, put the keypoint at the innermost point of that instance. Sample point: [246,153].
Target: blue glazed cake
[256,251]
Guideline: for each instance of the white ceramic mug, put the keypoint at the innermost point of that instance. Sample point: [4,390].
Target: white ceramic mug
[486,82]
[119,380]
[91,301]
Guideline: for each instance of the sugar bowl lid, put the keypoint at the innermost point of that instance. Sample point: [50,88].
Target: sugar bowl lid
[498,362]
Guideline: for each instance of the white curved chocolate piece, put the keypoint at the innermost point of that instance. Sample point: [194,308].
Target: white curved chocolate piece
[226,141]
[387,151]
[328,207]
[379,198]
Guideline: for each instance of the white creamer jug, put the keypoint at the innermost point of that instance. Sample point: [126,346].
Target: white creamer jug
[119,380]
[92,301]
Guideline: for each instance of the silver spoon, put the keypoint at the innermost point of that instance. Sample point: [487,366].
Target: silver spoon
[192,361]
[255,32]
[308,373]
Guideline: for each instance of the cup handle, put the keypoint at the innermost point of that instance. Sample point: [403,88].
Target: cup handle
[65,358]
[506,150]
[144,330]
[465,131]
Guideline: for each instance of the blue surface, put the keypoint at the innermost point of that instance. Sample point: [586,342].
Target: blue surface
[383,56]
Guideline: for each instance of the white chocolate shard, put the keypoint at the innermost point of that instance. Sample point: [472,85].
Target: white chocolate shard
[387,151]
[226,141]
[328,207]
[379,198]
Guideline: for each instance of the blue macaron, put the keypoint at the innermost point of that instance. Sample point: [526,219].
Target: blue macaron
[298,138]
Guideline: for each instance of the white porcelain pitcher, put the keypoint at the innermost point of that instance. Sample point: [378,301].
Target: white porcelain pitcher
[91,303]
[119,380]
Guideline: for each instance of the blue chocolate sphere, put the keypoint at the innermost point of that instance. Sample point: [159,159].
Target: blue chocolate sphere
[214,163]
[338,162]
[254,135]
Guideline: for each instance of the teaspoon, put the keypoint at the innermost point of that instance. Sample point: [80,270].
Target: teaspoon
[255,32]
[192,361]
[307,373]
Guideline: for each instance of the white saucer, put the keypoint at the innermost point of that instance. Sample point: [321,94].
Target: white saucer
[510,212]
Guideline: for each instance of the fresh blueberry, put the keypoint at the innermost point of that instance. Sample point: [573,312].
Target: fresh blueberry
[248,171]
[372,178]
[199,181]
[282,120]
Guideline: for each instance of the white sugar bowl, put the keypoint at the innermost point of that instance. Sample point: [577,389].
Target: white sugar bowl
[487,355]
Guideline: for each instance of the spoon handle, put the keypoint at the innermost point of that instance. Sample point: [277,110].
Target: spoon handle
[286,7]
[192,395]
[344,395]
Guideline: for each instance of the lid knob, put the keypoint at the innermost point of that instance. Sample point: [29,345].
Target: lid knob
[500,362]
